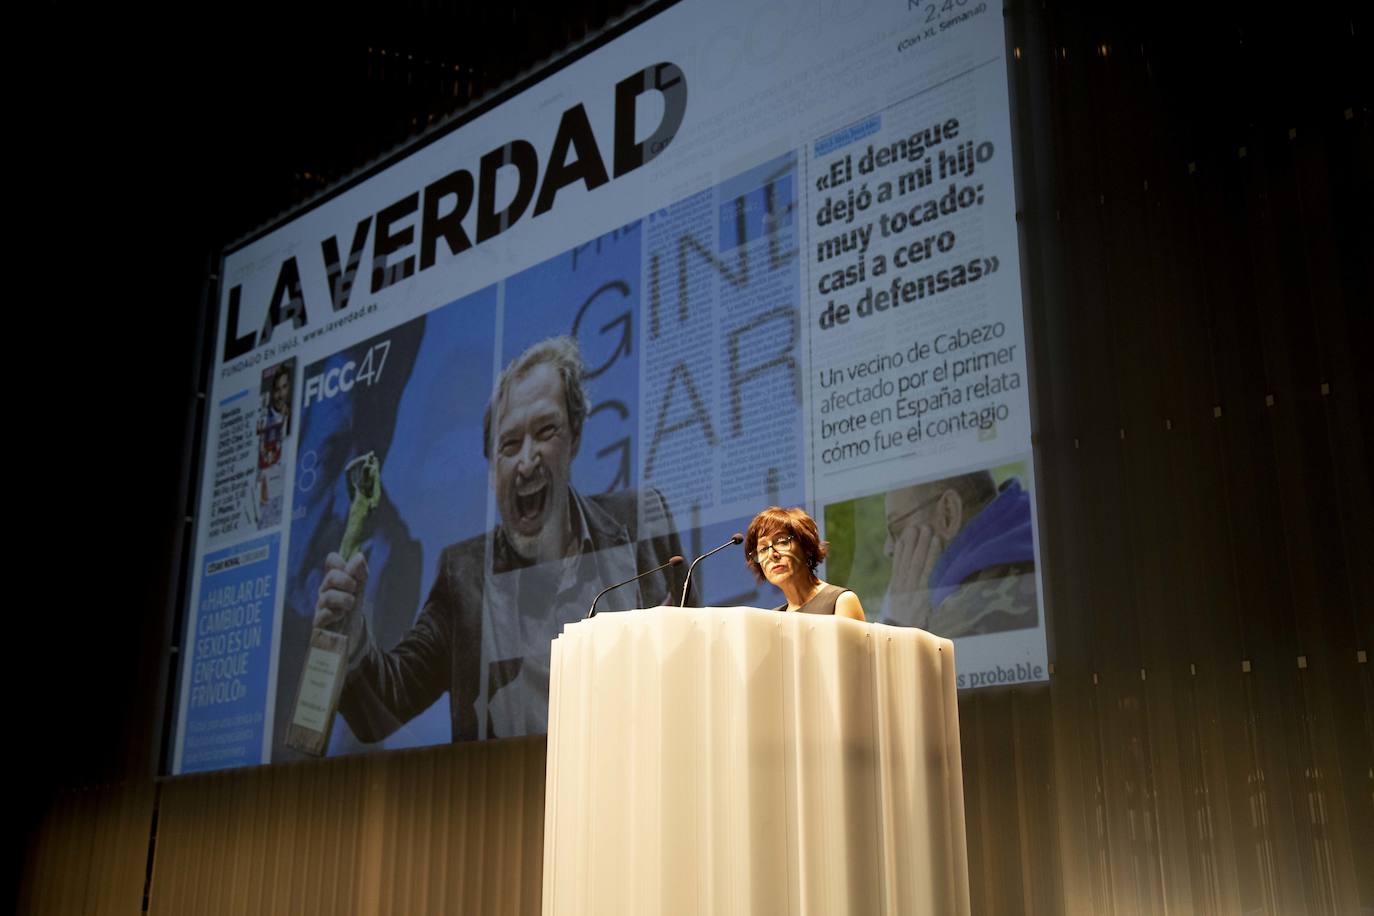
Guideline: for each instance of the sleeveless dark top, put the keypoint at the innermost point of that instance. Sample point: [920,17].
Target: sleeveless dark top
[823,602]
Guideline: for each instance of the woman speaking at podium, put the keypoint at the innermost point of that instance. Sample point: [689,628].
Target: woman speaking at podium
[784,546]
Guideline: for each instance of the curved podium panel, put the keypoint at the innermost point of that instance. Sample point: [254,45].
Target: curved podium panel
[736,760]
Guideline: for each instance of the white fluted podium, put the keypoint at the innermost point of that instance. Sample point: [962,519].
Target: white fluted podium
[742,761]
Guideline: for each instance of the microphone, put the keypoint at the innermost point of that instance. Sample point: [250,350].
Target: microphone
[673,561]
[735,538]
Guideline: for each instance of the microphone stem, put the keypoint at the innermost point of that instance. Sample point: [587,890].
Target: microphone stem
[591,612]
[735,539]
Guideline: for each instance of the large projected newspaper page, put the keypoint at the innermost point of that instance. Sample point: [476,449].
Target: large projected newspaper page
[780,243]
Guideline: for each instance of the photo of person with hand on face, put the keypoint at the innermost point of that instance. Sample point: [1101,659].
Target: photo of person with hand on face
[959,552]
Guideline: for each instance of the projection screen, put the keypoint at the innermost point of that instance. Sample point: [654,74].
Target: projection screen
[780,239]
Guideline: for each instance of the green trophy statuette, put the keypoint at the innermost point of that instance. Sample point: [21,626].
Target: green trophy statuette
[364,478]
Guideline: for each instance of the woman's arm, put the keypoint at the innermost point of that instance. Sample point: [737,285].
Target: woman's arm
[847,605]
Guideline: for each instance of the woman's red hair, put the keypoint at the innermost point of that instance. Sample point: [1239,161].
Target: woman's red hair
[776,520]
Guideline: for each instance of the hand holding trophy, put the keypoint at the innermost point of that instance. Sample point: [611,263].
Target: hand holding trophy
[339,627]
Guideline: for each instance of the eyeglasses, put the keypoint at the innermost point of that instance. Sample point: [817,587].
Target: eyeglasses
[782,545]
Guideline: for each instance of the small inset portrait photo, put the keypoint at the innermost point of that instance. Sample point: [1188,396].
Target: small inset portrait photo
[275,396]
[274,410]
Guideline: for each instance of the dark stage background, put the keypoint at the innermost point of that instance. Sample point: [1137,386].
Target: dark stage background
[1197,194]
